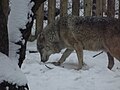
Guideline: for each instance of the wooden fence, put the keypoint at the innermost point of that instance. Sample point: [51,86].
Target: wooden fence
[60,8]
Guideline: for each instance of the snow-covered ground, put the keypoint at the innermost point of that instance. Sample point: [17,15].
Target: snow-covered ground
[65,77]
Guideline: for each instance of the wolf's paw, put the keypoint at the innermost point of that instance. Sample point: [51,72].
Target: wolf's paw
[82,67]
[85,67]
[56,63]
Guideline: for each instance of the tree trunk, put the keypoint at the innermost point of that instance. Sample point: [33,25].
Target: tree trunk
[39,19]
[75,7]
[26,32]
[51,10]
[37,5]
[4,46]
[6,8]
[25,35]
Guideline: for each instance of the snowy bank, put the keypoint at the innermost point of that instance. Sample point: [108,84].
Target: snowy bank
[10,72]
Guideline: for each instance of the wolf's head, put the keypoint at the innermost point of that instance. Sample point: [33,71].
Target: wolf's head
[46,48]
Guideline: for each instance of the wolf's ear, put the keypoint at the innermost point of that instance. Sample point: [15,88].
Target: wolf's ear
[57,37]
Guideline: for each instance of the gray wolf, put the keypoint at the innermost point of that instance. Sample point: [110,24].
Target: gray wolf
[80,33]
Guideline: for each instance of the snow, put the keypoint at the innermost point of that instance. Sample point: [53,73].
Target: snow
[10,72]
[96,77]
[12,52]
[20,10]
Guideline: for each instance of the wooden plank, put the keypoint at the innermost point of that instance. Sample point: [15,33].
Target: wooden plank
[99,9]
[111,8]
[75,7]
[63,7]
[87,7]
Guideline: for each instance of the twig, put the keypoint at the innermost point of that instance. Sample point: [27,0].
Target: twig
[33,51]
[48,67]
[97,54]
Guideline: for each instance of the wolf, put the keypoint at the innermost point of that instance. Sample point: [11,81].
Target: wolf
[80,33]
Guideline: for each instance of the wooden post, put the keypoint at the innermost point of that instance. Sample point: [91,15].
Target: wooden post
[51,10]
[99,11]
[75,7]
[119,10]
[63,7]
[104,8]
[111,8]
[87,7]
[94,8]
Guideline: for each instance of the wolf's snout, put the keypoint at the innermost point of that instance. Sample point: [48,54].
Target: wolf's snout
[43,61]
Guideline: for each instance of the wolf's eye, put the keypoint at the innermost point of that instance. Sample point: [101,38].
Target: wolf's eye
[47,48]
[41,47]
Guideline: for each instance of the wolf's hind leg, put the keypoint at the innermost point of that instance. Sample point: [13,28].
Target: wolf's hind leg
[63,57]
[110,61]
[79,50]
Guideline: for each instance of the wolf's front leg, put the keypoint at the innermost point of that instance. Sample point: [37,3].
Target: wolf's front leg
[63,57]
